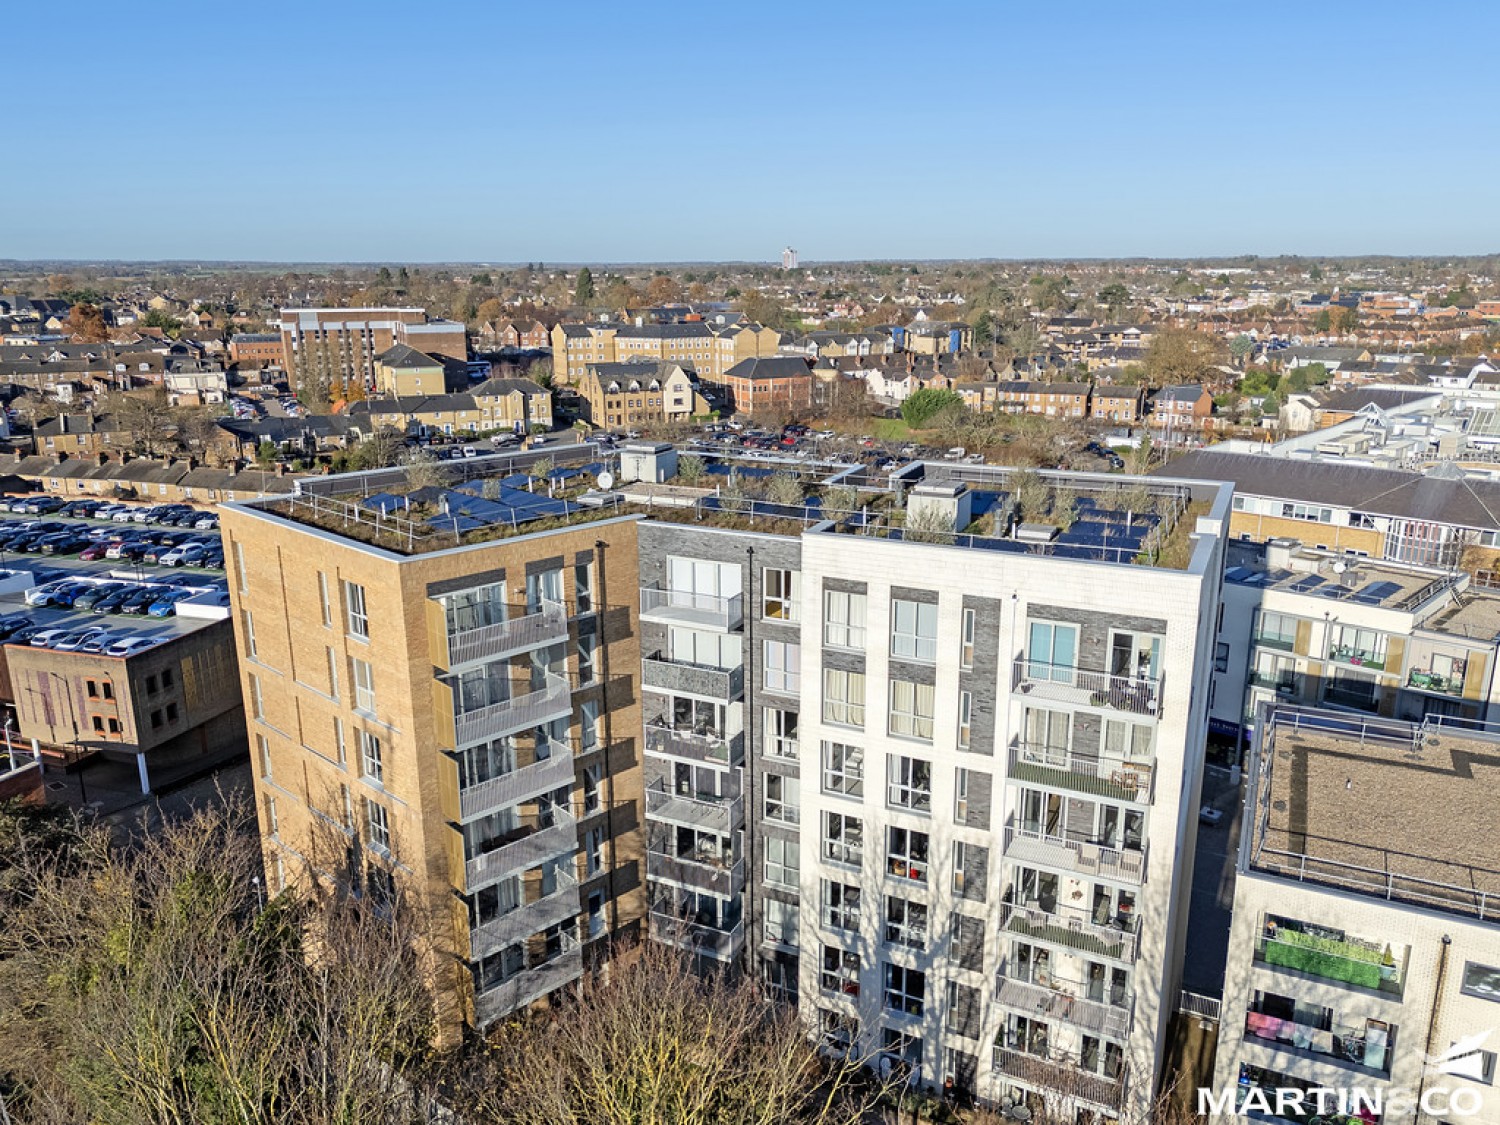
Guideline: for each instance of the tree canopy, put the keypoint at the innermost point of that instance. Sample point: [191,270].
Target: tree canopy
[921,407]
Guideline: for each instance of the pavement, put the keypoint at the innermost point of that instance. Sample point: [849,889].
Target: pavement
[112,792]
[1214,861]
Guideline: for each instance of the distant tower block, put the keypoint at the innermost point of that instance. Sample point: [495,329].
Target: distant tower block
[789,259]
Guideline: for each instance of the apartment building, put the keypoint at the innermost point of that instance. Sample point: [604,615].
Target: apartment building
[1319,628]
[1426,520]
[1001,760]
[627,394]
[457,721]
[934,783]
[1364,954]
[324,347]
[709,348]
[1054,400]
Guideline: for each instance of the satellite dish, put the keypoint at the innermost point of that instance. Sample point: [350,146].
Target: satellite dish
[1340,566]
[605,480]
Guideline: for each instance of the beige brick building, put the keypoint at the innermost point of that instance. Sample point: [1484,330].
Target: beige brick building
[460,724]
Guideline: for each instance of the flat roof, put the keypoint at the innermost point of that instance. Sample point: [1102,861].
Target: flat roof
[1399,811]
[1352,579]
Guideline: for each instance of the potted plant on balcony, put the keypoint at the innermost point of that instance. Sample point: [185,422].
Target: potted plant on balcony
[1387,964]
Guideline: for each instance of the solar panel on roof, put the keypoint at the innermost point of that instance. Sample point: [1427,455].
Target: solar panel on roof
[1376,592]
[1307,582]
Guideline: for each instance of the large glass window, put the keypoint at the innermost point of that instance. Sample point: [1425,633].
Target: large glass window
[1052,651]
[780,590]
[843,619]
[840,906]
[843,697]
[914,630]
[905,989]
[783,667]
[905,923]
[781,862]
[909,783]
[911,709]
[907,854]
[843,838]
[843,769]
[357,619]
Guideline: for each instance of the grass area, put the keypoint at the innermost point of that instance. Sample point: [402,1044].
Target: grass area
[890,429]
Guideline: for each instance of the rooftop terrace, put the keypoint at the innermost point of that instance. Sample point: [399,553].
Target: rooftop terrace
[1340,578]
[1399,811]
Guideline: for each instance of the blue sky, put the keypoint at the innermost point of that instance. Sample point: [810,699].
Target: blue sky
[567,132]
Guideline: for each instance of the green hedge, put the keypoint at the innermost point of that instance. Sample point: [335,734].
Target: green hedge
[1322,957]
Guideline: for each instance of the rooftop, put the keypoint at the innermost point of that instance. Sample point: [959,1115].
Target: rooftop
[1289,567]
[1398,811]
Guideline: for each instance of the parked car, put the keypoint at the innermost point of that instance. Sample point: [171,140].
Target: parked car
[141,600]
[111,602]
[71,641]
[130,645]
[206,523]
[186,554]
[166,605]
[91,597]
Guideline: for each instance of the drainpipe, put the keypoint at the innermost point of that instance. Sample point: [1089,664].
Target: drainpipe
[751,818]
[601,604]
[1432,1019]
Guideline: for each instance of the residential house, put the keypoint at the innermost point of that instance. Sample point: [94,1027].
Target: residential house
[1182,408]
[403,371]
[637,392]
[1118,404]
[769,384]
[513,404]
[1054,400]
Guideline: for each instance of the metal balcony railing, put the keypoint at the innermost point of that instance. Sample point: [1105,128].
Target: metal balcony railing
[667,606]
[1037,679]
[1045,1074]
[710,812]
[1119,938]
[1062,1004]
[541,776]
[714,749]
[1031,845]
[560,904]
[1113,778]
[710,871]
[552,700]
[530,985]
[710,941]
[531,846]
[545,625]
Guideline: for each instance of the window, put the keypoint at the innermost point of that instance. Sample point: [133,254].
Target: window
[588,724]
[171,712]
[909,783]
[1221,656]
[323,604]
[587,648]
[263,752]
[780,590]
[906,854]
[961,798]
[1482,981]
[843,769]
[782,862]
[107,689]
[273,823]
[380,827]
[1127,741]
[843,619]
[1052,651]
[911,710]
[98,723]
[966,641]
[593,850]
[364,686]
[1309,512]
[371,758]
[905,923]
[1048,734]
[114,726]
[348,798]
[239,566]
[257,701]
[593,776]
[92,689]
[843,838]
[782,799]
[249,635]
[1346,688]
[333,673]
[781,922]
[1276,630]
[905,989]
[843,697]
[914,630]
[965,719]
[783,667]
[1363,647]
[840,906]
[583,587]
[357,621]
[780,729]
[166,678]
[339,746]
[840,971]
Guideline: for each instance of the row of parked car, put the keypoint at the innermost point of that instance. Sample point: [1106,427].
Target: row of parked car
[162,515]
[156,599]
[18,628]
[164,548]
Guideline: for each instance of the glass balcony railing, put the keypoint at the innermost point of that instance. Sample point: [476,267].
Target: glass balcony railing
[1344,962]
[1038,679]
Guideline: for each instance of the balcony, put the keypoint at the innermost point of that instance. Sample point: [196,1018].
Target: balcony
[1118,939]
[531,845]
[1075,856]
[709,870]
[666,606]
[545,625]
[1112,778]
[1367,1045]
[1286,642]
[1343,962]
[529,985]
[707,941]
[530,781]
[1037,679]
[1056,1004]
[1423,680]
[661,672]
[1043,1074]
[710,748]
[1358,657]
[556,906]
[710,812]
[553,700]
[1284,683]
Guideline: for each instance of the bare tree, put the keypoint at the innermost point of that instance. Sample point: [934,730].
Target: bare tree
[423,470]
[690,469]
[785,488]
[657,1043]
